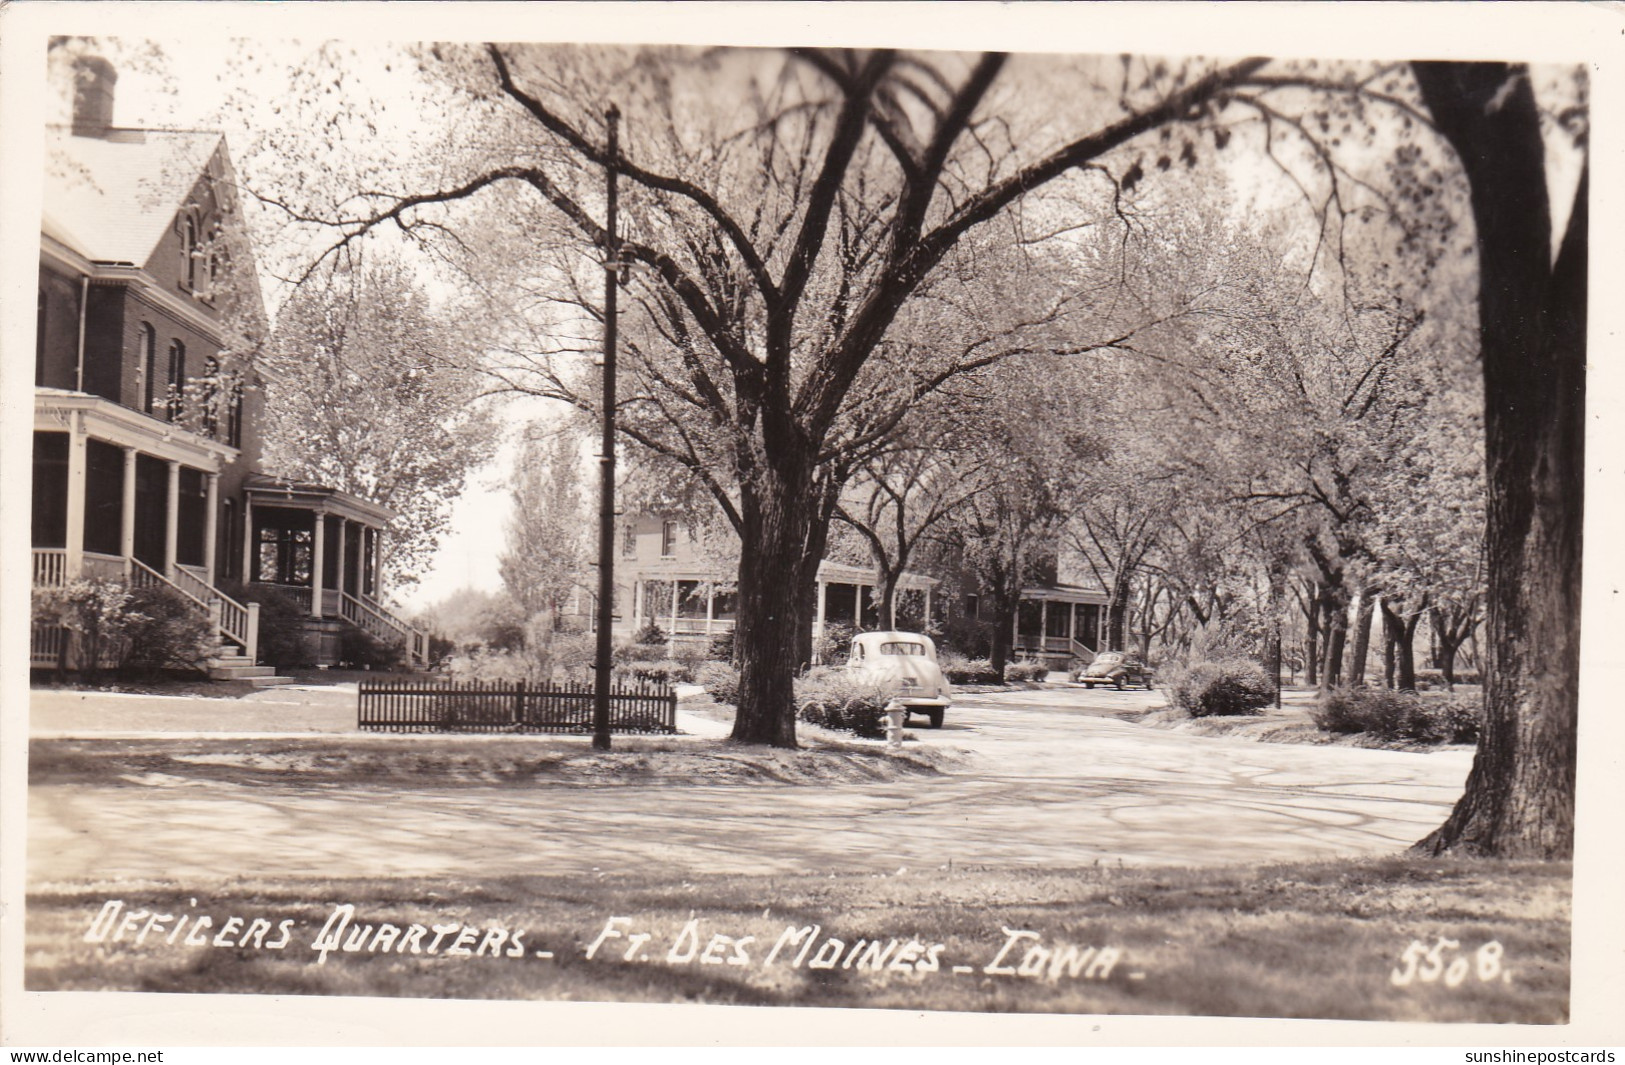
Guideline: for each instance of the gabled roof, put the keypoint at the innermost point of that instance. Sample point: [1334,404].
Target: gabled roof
[117,195]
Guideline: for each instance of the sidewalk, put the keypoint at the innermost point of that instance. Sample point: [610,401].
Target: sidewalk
[292,711]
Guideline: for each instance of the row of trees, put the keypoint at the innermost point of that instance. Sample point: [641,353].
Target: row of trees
[825,243]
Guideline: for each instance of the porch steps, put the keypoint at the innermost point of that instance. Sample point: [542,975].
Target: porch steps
[238,667]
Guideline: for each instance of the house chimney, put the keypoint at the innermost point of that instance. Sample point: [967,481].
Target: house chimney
[93,81]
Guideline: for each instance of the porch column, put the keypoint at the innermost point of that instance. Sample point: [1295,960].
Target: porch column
[818,615]
[710,605]
[318,557]
[1043,625]
[127,513]
[248,539]
[75,561]
[637,603]
[211,524]
[344,549]
[172,519]
[926,621]
[676,592]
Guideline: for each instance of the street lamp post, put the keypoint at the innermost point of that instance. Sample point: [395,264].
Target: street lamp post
[606,459]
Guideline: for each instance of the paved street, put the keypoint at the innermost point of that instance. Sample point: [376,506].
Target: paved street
[1051,782]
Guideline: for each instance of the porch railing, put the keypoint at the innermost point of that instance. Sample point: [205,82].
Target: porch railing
[696,626]
[45,645]
[229,618]
[50,567]
[299,593]
[381,623]
[1031,643]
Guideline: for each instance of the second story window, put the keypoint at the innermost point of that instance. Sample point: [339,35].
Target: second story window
[39,342]
[668,539]
[149,366]
[177,380]
[189,253]
[234,417]
[211,397]
[629,542]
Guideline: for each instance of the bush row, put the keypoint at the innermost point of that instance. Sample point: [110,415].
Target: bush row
[1434,678]
[1227,687]
[1024,671]
[1405,716]
[831,698]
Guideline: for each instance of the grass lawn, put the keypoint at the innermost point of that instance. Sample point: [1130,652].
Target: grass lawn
[1320,940]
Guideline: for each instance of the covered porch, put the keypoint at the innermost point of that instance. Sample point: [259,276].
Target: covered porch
[320,547]
[1059,623]
[691,604]
[119,495]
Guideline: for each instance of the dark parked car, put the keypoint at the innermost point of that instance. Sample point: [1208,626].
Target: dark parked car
[1115,667]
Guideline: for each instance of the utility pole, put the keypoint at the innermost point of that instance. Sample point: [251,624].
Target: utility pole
[606,459]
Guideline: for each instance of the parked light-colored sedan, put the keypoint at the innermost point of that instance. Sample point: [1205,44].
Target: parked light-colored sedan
[904,663]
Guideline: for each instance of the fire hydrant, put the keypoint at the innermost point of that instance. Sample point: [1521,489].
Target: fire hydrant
[896,714]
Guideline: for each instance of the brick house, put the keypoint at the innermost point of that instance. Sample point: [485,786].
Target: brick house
[147,424]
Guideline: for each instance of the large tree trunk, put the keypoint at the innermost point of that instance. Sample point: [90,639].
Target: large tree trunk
[777,513]
[1005,605]
[1519,799]
[1451,630]
[1311,640]
[1401,632]
[1362,638]
[1117,613]
[1335,610]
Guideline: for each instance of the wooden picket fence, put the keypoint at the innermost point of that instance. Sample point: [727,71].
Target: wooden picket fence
[505,706]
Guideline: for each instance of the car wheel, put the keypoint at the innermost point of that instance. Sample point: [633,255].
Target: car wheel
[935,717]
[1089,684]
[1119,683]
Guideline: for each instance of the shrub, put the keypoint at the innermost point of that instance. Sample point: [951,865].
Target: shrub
[97,611]
[488,664]
[833,699]
[440,650]
[722,647]
[1025,671]
[665,671]
[651,635]
[690,655]
[282,640]
[721,680]
[1228,687]
[957,669]
[1397,715]
[359,649]
[572,656]
[1434,678]
[971,637]
[164,630]
[832,646]
[1458,718]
